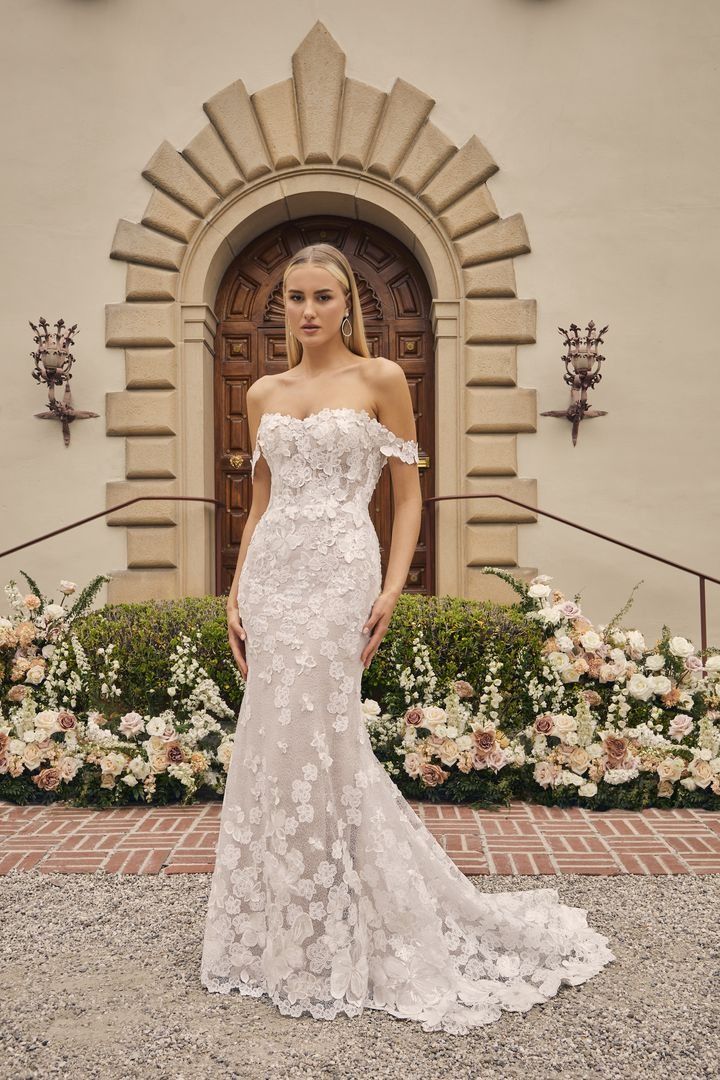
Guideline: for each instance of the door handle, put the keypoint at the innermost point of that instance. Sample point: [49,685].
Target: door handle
[235,461]
[423,460]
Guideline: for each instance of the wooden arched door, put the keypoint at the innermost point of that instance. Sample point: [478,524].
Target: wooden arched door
[250,342]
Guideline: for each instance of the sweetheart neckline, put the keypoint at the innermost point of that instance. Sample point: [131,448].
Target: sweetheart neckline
[334,409]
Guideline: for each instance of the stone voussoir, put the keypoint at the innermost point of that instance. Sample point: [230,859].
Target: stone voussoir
[470,166]
[168,170]
[134,242]
[150,283]
[428,153]
[209,156]
[318,67]
[168,216]
[406,110]
[361,111]
[233,116]
[275,109]
[501,239]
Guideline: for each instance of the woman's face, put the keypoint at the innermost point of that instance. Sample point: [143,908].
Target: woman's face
[313,296]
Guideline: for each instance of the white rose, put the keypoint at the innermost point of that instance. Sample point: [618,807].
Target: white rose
[558,660]
[713,662]
[370,707]
[619,637]
[55,611]
[67,587]
[660,684]
[618,657]
[539,591]
[541,579]
[680,646]
[590,640]
[47,722]
[130,780]
[464,742]
[565,643]
[35,674]
[640,687]
[588,790]
[636,641]
[564,723]
[654,662]
[155,726]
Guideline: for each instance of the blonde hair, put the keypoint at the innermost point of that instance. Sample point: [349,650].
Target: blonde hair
[333,260]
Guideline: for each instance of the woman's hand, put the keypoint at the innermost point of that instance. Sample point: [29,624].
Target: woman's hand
[377,623]
[236,637]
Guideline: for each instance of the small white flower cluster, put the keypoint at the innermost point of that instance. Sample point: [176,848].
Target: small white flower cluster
[419,681]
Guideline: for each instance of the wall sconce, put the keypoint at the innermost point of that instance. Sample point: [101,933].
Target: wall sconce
[53,361]
[582,354]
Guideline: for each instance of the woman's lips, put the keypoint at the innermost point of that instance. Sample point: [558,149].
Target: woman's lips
[309,329]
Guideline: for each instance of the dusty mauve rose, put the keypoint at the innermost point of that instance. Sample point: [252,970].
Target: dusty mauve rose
[680,726]
[615,748]
[495,759]
[665,788]
[66,720]
[47,779]
[570,609]
[414,716]
[484,741]
[175,755]
[462,688]
[592,697]
[4,739]
[17,693]
[544,724]
[432,775]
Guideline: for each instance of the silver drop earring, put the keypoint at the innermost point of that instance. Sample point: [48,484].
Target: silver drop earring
[346,333]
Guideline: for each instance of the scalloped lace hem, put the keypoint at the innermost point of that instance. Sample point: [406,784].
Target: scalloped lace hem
[450,1016]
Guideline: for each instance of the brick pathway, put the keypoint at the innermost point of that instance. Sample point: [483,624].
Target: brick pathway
[522,839]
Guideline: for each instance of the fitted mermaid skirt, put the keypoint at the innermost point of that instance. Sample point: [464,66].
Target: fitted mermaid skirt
[329,895]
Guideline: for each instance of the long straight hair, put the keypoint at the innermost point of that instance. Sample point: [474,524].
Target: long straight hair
[332,259]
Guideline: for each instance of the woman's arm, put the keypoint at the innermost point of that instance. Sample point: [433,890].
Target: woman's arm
[395,411]
[260,499]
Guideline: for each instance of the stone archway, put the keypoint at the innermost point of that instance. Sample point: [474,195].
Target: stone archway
[318,142]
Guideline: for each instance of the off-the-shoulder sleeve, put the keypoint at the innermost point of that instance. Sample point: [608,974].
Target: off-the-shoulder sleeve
[393,446]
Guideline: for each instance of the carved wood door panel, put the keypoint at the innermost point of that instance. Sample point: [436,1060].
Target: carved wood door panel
[250,342]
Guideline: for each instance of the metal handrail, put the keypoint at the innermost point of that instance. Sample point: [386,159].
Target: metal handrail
[431,500]
[703,577]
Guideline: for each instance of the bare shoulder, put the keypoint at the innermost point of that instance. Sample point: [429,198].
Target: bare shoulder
[258,391]
[392,397]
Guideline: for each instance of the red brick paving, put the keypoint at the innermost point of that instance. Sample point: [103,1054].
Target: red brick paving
[522,839]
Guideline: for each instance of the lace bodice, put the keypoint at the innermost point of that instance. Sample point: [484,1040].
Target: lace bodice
[329,458]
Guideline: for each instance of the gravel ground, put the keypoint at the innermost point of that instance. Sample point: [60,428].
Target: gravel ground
[99,977]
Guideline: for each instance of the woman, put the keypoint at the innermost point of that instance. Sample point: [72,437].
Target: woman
[329,895]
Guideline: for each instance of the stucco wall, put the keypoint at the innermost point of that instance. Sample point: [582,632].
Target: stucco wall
[601,116]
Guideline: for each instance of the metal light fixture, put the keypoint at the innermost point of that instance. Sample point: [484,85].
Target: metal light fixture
[581,374]
[53,361]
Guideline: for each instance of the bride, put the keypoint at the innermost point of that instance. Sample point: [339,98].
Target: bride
[329,895]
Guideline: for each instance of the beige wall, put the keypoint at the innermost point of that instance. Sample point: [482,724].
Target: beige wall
[610,161]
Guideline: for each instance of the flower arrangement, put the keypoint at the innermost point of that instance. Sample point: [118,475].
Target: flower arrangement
[599,716]
[603,711]
[52,740]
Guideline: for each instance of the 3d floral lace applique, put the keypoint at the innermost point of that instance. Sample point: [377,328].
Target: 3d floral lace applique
[329,895]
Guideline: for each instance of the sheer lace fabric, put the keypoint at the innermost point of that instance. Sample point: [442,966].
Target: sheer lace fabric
[329,895]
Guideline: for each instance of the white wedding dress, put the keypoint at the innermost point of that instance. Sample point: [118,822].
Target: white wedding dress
[329,895]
